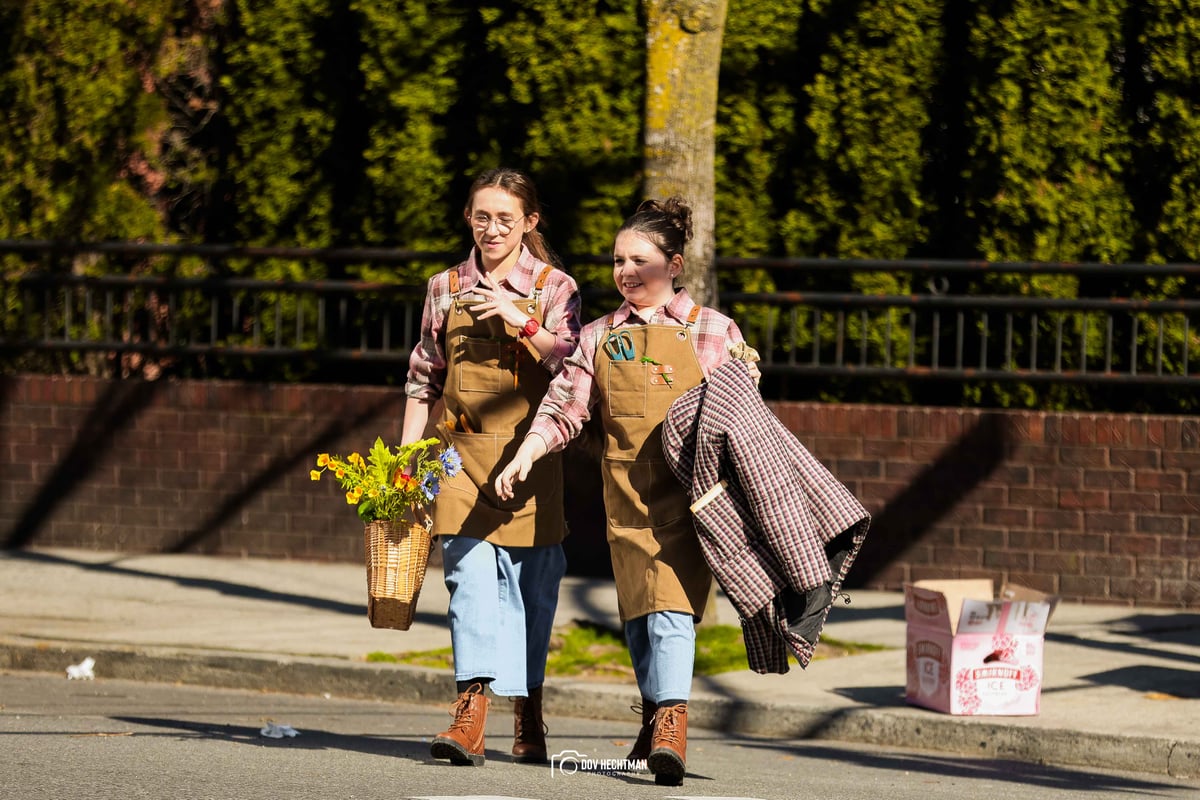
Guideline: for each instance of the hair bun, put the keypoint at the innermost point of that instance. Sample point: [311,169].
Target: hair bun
[674,209]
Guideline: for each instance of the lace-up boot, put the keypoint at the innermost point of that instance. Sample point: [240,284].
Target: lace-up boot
[641,747]
[668,747]
[462,743]
[529,731]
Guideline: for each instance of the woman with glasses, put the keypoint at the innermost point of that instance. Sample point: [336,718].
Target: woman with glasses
[631,365]
[495,329]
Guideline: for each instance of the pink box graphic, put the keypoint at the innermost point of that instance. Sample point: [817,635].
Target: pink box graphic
[974,653]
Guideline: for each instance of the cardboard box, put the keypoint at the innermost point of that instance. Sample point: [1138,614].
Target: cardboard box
[972,652]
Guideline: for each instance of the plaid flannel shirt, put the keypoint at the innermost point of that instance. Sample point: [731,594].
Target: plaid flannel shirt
[574,391]
[767,529]
[559,304]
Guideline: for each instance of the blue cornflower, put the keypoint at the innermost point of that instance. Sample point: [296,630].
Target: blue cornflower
[430,487]
[451,461]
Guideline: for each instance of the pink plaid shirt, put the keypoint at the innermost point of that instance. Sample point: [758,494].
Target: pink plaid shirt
[571,395]
[559,303]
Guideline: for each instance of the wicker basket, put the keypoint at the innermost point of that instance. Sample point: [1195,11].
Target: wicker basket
[397,553]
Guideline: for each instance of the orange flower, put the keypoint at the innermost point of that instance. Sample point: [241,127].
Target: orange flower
[323,460]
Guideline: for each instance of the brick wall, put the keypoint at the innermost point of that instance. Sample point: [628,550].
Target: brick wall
[1102,507]
[1090,506]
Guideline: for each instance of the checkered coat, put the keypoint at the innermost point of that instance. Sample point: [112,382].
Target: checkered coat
[766,528]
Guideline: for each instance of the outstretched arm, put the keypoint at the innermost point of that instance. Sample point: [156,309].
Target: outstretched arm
[416,417]
[517,470]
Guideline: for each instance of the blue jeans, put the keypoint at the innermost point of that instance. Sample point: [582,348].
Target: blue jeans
[502,604]
[662,645]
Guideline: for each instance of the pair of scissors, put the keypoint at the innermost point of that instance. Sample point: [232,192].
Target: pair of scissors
[619,346]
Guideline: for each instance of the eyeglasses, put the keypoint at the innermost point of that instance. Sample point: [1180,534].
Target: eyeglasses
[504,226]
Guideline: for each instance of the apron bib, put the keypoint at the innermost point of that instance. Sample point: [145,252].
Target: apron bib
[494,384]
[656,557]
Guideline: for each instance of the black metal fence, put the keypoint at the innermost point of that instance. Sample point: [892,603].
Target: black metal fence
[820,332]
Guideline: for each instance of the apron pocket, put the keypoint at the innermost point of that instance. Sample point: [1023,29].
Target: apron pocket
[626,389]
[478,363]
[484,453]
[637,496]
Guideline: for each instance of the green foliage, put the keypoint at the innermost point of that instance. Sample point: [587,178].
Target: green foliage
[391,485]
[572,73]
[587,648]
[1162,81]
[280,95]
[583,648]
[74,161]
[869,106]
[1048,143]
[414,67]
[908,129]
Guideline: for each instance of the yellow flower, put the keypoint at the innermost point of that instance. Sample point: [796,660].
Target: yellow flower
[378,485]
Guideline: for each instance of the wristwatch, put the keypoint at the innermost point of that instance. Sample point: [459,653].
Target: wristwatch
[531,327]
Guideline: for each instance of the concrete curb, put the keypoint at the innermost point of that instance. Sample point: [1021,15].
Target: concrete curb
[899,726]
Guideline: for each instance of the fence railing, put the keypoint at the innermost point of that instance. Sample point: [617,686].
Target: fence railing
[1129,324]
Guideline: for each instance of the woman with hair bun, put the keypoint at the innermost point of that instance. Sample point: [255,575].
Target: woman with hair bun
[631,365]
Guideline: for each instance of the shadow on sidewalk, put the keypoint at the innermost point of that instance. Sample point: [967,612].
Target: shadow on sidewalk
[226,588]
[1140,634]
[306,740]
[998,770]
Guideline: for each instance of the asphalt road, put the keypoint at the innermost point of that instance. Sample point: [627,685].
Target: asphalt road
[94,740]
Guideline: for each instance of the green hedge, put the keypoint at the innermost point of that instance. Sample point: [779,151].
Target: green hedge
[1020,130]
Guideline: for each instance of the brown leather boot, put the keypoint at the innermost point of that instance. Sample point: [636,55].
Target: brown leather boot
[668,747]
[529,732]
[462,743]
[641,747]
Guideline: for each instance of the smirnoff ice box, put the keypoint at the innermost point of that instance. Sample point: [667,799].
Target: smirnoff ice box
[972,652]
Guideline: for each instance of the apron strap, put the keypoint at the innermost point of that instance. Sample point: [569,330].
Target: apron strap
[693,315]
[454,287]
[540,283]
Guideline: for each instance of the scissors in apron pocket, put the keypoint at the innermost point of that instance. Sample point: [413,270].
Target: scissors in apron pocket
[619,346]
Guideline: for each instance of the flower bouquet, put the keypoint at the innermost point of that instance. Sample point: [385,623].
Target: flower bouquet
[391,502]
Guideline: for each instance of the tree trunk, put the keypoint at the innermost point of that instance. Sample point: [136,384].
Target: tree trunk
[683,60]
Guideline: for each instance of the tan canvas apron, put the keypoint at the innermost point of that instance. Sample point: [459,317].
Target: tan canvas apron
[656,557]
[494,384]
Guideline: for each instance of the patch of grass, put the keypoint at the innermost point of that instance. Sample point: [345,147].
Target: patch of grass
[442,658]
[836,648]
[719,648]
[589,650]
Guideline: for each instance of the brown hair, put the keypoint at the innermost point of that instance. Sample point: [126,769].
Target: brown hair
[667,225]
[520,186]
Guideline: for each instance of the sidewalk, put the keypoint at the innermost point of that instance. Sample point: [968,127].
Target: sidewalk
[1122,685]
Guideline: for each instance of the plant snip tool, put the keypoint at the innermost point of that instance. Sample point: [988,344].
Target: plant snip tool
[619,346]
